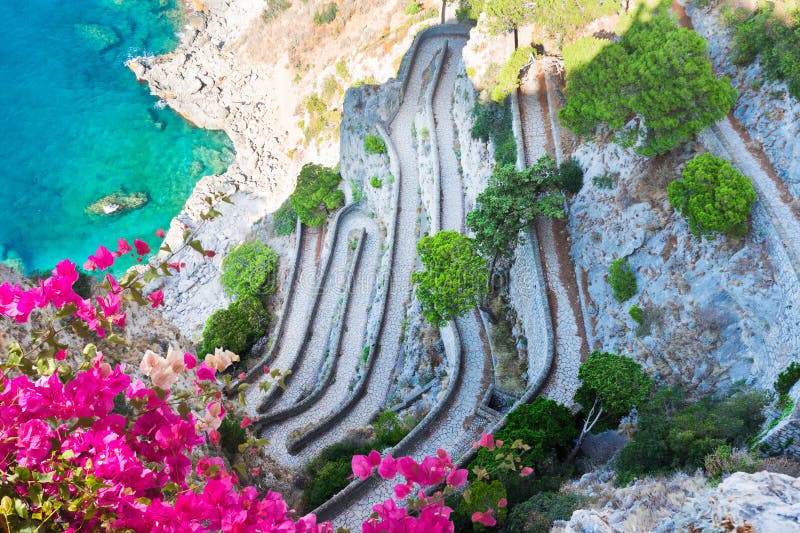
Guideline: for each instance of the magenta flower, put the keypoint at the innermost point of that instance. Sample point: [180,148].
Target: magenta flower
[156,298]
[484,518]
[160,233]
[141,247]
[102,259]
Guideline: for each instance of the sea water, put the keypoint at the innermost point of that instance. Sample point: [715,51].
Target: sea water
[76,126]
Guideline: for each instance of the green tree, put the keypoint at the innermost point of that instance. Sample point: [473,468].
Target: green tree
[250,269]
[622,280]
[454,279]
[316,194]
[714,197]
[611,386]
[659,72]
[505,15]
[570,175]
[510,201]
[235,328]
[284,221]
[373,144]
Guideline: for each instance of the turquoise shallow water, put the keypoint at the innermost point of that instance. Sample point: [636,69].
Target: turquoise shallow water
[76,126]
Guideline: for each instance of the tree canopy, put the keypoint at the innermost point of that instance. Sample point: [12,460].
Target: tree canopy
[235,328]
[250,269]
[655,88]
[510,201]
[455,276]
[316,194]
[505,15]
[713,196]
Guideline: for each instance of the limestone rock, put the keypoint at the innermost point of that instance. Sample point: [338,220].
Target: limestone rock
[117,203]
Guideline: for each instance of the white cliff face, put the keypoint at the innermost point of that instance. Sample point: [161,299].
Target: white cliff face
[716,311]
[767,502]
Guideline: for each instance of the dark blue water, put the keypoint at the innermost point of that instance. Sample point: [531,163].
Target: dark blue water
[76,126]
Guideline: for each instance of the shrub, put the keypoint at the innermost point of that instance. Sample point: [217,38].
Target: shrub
[374,145]
[376,182]
[355,190]
[275,8]
[341,70]
[231,435]
[637,314]
[622,280]
[481,496]
[390,429]
[413,7]
[316,194]
[508,79]
[787,378]
[774,41]
[582,52]
[725,460]
[284,221]
[235,328]
[469,10]
[545,425]
[328,472]
[537,514]
[570,175]
[674,432]
[714,197]
[493,122]
[325,14]
[250,269]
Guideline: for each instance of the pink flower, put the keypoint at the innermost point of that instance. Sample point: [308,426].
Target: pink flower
[156,298]
[486,441]
[246,422]
[388,467]
[503,503]
[61,355]
[122,247]
[205,372]
[189,361]
[484,518]
[401,491]
[141,247]
[102,259]
[241,375]
[160,233]
[214,436]
[361,466]
[457,478]
[526,471]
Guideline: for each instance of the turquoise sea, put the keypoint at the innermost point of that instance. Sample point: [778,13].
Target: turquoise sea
[76,126]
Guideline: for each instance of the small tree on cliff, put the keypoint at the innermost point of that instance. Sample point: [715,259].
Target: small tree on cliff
[317,193]
[454,279]
[713,196]
[612,386]
[505,15]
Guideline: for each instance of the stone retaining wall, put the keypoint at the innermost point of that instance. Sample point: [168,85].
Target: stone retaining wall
[436,208]
[785,436]
[333,349]
[330,245]
[257,370]
[357,488]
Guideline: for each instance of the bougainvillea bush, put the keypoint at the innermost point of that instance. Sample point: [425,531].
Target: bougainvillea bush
[85,447]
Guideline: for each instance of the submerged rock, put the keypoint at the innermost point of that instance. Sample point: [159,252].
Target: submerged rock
[117,203]
[98,36]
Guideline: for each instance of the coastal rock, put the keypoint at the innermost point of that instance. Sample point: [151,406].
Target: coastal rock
[117,203]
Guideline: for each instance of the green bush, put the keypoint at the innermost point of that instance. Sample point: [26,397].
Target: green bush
[545,425]
[390,429]
[413,7]
[657,71]
[582,52]
[275,8]
[235,328]
[774,41]
[637,314]
[622,280]
[469,10]
[325,14]
[374,145]
[316,194]
[250,269]
[787,378]
[675,433]
[493,122]
[508,79]
[284,221]
[725,460]
[231,434]
[537,514]
[713,196]
[376,182]
[479,497]
[570,175]
[329,471]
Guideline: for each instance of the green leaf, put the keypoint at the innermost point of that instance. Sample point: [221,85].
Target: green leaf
[197,246]
[116,339]
[6,505]
[68,310]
